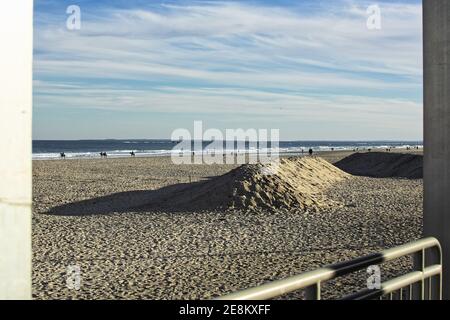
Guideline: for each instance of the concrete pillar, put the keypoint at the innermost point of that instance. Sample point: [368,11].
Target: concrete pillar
[436,33]
[16,34]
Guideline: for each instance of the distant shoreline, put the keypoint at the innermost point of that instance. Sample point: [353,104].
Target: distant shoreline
[91,149]
[282,154]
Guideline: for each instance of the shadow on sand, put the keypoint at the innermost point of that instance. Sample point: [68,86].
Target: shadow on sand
[130,201]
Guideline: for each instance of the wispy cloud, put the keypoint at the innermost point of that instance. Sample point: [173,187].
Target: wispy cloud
[244,59]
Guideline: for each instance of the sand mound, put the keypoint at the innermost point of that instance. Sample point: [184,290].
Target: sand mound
[383,165]
[292,183]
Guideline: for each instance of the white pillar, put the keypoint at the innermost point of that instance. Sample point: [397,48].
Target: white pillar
[16,35]
[436,33]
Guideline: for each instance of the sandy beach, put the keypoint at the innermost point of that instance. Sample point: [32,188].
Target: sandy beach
[82,216]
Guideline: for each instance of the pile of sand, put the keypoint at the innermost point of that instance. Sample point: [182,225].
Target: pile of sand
[383,165]
[294,183]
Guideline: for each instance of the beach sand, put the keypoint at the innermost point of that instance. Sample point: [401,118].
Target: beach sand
[140,253]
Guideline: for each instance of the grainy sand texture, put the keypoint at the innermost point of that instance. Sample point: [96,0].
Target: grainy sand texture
[144,228]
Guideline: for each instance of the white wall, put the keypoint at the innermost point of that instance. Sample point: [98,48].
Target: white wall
[16,32]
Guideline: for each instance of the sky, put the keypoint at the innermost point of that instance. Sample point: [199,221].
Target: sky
[312,69]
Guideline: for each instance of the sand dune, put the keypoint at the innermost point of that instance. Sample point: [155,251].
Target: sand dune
[291,183]
[383,165]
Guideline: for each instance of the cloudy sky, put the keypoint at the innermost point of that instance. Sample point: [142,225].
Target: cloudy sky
[141,69]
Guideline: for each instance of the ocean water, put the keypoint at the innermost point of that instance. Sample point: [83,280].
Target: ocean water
[51,149]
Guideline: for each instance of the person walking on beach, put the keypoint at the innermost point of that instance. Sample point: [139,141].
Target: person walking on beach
[62,155]
[132,154]
[310,151]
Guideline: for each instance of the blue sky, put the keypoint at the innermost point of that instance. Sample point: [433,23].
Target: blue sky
[141,69]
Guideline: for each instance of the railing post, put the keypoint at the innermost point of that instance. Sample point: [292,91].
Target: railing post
[418,265]
[313,292]
[433,256]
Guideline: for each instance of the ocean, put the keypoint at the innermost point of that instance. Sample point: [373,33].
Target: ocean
[51,149]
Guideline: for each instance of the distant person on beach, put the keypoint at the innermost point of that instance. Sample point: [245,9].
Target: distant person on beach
[132,154]
[310,152]
[103,154]
[62,155]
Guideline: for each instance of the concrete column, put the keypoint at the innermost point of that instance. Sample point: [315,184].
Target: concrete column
[436,34]
[16,34]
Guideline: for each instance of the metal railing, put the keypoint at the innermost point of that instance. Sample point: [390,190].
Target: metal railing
[423,282]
